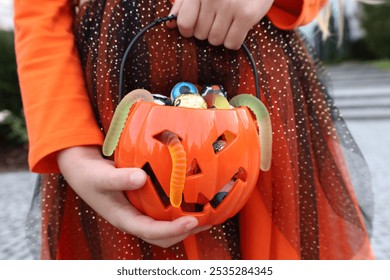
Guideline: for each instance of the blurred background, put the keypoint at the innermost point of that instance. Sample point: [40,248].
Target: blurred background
[357,58]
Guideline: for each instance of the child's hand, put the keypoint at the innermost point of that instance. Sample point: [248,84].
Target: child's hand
[101,185]
[224,22]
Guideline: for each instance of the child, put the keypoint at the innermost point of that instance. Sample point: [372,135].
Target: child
[303,208]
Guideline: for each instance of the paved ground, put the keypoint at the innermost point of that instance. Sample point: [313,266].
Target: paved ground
[16,191]
[361,92]
[363,95]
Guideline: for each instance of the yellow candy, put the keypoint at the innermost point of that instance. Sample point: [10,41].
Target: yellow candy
[190,100]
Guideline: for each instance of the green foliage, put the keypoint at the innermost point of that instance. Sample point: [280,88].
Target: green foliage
[383,64]
[12,128]
[376,23]
[374,45]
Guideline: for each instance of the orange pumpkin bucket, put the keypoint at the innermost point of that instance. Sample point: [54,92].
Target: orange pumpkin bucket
[200,162]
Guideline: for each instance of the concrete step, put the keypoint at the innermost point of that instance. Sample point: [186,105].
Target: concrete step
[361,93]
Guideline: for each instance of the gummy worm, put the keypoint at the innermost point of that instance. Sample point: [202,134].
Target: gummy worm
[214,100]
[179,166]
[120,117]
[264,123]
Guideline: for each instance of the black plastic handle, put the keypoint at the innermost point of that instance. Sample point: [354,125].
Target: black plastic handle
[162,20]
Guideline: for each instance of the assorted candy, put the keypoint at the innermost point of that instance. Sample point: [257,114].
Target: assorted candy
[185,94]
[183,88]
[190,100]
[162,99]
[209,88]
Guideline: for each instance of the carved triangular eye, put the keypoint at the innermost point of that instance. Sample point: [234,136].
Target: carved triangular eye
[223,141]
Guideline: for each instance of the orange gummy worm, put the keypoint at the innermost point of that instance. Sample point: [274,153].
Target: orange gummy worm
[179,166]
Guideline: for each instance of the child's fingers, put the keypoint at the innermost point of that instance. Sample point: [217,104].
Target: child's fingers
[159,230]
[219,29]
[187,16]
[171,241]
[174,11]
[130,220]
[205,21]
[236,35]
[101,185]
[161,233]
[171,23]
[116,209]
[176,7]
[200,229]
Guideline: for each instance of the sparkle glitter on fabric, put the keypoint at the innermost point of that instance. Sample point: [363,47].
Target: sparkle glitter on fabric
[307,194]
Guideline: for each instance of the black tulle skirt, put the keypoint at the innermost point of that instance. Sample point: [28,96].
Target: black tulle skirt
[305,207]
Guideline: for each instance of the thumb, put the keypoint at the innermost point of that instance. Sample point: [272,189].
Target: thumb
[174,11]
[120,179]
[171,23]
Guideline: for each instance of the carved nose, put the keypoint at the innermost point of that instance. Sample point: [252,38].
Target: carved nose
[193,168]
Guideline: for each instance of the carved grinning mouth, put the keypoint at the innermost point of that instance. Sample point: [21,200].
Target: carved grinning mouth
[177,198]
[202,200]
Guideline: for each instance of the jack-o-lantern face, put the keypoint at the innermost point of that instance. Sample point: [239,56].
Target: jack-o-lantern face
[222,155]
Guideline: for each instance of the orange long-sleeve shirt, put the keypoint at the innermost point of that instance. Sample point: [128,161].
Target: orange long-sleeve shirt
[56,105]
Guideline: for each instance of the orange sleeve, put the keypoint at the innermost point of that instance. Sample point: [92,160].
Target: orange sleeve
[56,105]
[289,14]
